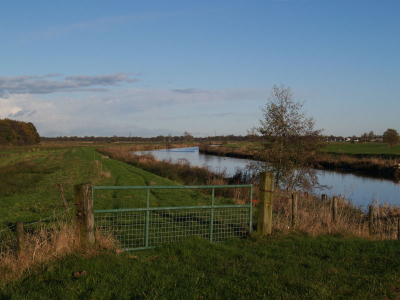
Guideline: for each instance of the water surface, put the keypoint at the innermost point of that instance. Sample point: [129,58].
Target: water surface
[360,189]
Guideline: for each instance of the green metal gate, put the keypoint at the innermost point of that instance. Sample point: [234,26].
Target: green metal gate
[146,227]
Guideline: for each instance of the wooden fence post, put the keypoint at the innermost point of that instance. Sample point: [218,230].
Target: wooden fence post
[371,220]
[398,228]
[62,196]
[294,211]
[84,212]
[20,237]
[324,197]
[334,209]
[266,201]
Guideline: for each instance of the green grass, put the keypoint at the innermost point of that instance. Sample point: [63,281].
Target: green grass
[244,145]
[296,267]
[363,149]
[29,182]
[357,149]
[29,187]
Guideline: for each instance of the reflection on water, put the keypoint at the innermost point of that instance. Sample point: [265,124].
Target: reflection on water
[362,190]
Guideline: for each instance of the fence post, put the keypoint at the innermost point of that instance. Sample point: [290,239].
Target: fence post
[264,226]
[398,228]
[84,212]
[334,208]
[371,220]
[294,211]
[324,197]
[212,215]
[20,237]
[62,196]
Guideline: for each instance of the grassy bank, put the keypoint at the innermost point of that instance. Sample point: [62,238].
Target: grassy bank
[30,177]
[347,148]
[30,193]
[296,267]
[180,171]
[363,149]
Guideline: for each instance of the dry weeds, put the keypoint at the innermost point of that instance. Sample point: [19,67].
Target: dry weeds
[315,218]
[48,243]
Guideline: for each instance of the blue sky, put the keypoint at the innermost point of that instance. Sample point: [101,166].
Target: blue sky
[153,68]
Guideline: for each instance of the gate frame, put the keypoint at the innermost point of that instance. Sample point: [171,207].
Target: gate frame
[147,209]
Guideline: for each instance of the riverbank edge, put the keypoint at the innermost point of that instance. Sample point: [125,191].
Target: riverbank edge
[365,166]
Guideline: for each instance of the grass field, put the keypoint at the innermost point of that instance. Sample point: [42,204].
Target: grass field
[363,149]
[296,267]
[357,149]
[29,181]
[281,266]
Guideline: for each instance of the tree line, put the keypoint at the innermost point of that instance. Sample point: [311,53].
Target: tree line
[186,137]
[18,133]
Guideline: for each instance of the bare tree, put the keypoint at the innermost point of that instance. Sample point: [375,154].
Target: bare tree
[290,141]
[187,136]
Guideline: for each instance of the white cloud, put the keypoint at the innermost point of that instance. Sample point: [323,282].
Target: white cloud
[8,107]
[143,112]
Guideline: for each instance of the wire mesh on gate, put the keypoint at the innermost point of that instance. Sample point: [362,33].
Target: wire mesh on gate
[230,223]
[177,225]
[173,225]
[155,217]
[128,228]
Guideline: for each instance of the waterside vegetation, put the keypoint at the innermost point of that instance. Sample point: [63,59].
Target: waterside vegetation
[375,159]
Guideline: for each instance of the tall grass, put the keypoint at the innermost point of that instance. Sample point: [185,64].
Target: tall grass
[315,218]
[45,242]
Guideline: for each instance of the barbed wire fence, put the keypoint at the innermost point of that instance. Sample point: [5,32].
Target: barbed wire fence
[8,235]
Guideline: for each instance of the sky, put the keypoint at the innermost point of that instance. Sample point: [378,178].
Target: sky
[149,68]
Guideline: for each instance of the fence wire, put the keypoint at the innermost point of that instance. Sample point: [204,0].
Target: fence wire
[8,236]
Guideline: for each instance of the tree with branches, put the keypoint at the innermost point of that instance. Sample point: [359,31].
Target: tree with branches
[289,140]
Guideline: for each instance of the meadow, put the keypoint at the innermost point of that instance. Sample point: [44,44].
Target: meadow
[320,259]
[358,149]
[363,149]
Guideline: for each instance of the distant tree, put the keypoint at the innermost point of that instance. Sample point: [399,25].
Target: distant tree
[391,137]
[371,136]
[364,137]
[187,137]
[18,132]
[290,141]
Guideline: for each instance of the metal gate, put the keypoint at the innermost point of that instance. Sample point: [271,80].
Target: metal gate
[146,227]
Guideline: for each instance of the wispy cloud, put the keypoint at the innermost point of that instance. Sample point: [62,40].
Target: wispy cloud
[189,91]
[35,84]
[93,25]
[21,113]
[219,115]
[52,75]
